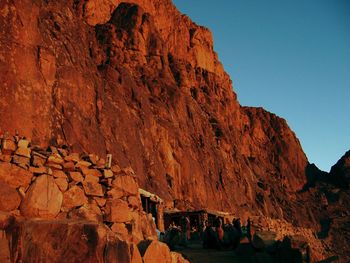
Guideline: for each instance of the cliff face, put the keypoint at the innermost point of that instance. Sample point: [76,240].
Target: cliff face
[340,172]
[141,81]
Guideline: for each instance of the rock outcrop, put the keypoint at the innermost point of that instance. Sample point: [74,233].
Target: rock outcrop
[138,80]
[340,172]
[141,81]
[68,210]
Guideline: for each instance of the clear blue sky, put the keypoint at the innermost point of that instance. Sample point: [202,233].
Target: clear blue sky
[291,57]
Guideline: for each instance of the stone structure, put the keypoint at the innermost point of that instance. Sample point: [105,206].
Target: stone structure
[56,205]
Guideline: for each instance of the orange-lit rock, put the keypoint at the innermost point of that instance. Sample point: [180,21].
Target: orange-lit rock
[73,197]
[43,199]
[9,198]
[14,176]
[117,211]
[154,251]
[140,81]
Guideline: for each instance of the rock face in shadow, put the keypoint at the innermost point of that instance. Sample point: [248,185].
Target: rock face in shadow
[340,172]
[141,81]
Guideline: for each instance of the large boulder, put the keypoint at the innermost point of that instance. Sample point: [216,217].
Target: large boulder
[9,197]
[154,251]
[73,197]
[91,186]
[118,211]
[264,240]
[14,175]
[43,199]
[127,183]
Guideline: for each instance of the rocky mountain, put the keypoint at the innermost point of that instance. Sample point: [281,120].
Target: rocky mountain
[141,81]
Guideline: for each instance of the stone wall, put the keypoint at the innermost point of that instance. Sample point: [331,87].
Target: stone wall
[54,195]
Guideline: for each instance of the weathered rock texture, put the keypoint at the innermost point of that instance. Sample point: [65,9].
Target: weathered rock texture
[141,81]
[43,222]
[67,241]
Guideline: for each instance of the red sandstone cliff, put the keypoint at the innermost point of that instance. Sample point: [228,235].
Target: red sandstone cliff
[141,81]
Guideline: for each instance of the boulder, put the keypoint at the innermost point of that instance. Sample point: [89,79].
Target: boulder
[54,166]
[21,161]
[107,173]
[89,178]
[73,197]
[8,146]
[134,202]
[87,171]
[38,159]
[15,176]
[68,166]
[62,183]
[55,158]
[177,258]
[25,152]
[101,163]
[87,211]
[264,240]
[121,230]
[115,193]
[116,169]
[126,183]
[154,251]
[9,197]
[92,187]
[43,199]
[100,201]
[135,227]
[81,164]
[76,177]
[72,157]
[148,227]
[23,143]
[93,158]
[59,174]
[117,211]
[38,170]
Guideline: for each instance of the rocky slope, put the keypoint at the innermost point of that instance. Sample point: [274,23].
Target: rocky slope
[141,81]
